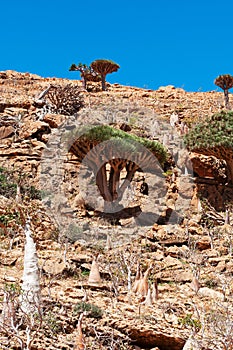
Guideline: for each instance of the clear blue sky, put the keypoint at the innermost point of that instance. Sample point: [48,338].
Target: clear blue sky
[186,43]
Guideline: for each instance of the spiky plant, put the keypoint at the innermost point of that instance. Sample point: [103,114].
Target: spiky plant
[66,100]
[122,152]
[104,67]
[225,82]
[214,137]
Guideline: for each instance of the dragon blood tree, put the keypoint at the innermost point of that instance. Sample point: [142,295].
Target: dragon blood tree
[214,137]
[225,82]
[114,156]
[104,67]
[86,72]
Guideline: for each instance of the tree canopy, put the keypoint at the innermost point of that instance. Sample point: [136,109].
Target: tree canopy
[214,136]
[104,67]
[122,152]
[87,73]
[94,135]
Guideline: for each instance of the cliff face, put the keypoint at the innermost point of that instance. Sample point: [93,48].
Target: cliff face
[191,260]
[25,126]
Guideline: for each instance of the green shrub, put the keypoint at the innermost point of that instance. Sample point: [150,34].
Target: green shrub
[10,216]
[214,137]
[188,321]
[8,185]
[7,188]
[90,309]
[213,132]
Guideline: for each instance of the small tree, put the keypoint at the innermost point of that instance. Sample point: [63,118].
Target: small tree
[104,67]
[225,82]
[87,73]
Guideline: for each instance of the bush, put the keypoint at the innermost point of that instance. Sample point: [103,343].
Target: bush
[189,322]
[65,100]
[8,185]
[7,188]
[90,309]
[216,131]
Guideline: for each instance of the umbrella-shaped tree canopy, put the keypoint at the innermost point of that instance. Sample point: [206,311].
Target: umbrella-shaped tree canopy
[104,67]
[214,137]
[108,151]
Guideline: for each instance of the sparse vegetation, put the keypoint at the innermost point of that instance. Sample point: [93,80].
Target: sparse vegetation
[190,322]
[10,179]
[90,310]
[133,306]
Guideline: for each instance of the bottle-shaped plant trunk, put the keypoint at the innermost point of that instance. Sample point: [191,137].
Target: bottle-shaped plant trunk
[80,342]
[94,277]
[30,298]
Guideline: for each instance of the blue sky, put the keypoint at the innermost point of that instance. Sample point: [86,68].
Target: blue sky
[186,43]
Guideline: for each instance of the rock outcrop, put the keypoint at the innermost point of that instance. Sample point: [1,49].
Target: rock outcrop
[112,313]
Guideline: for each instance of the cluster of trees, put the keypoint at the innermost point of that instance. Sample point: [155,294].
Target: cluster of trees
[97,71]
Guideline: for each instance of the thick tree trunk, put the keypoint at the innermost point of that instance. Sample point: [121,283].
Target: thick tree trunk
[103,77]
[230,169]
[110,189]
[84,82]
[226,96]
[102,183]
[131,169]
[114,179]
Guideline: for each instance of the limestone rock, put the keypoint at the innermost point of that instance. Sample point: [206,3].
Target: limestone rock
[54,266]
[36,129]
[53,120]
[210,293]
[208,166]
[6,131]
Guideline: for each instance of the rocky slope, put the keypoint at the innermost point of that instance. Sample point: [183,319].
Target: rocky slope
[191,261]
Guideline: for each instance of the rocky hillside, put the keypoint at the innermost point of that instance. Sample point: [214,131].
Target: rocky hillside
[112,284]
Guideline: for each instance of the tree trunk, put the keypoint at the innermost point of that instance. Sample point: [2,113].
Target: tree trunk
[103,76]
[230,169]
[131,169]
[84,82]
[102,183]
[114,179]
[226,96]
